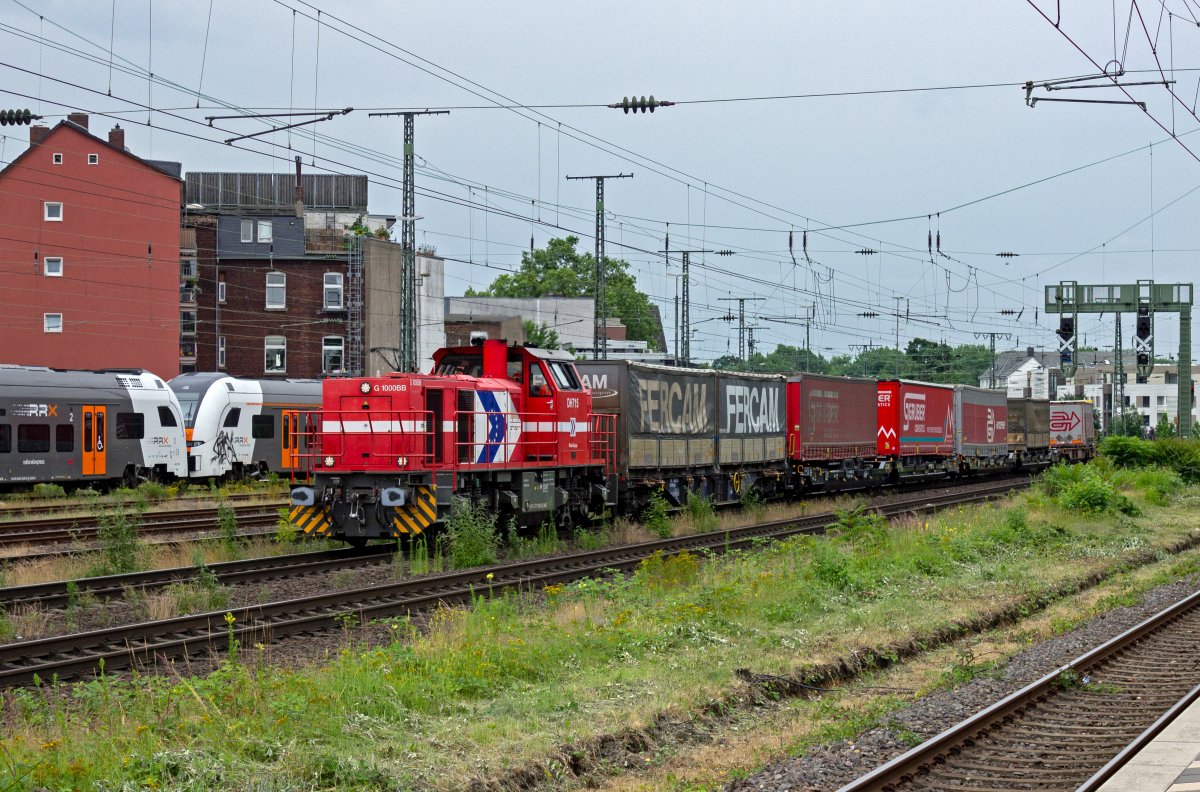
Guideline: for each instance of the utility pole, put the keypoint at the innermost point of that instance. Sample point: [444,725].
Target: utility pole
[992,348]
[867,347]
[807,320]
[685,354]
[741,317]
[1118,389]
[600,321]
[409,352]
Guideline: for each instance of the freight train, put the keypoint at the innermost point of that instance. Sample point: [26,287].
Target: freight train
[538,438]
[124,426]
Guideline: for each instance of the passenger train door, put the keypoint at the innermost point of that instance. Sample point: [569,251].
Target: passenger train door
[95,440]
[291,440]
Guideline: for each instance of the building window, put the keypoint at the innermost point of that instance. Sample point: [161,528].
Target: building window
[52,323]
[221,352]
[93,159]
[187,268]
[53,211]
[333,353]
[187,323]
[56,159]
[1162,401]
[276,290]
[1146,401]
[53,266]
[247,230]
[264,230]
[333,291]
[221,290]
[276,355]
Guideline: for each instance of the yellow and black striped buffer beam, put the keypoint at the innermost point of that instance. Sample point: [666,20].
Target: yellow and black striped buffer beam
[418,514]
[311,519]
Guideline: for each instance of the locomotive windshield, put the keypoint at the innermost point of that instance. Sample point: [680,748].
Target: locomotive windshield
[471,365]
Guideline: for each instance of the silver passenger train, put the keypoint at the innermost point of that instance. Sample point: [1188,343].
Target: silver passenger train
[124,426]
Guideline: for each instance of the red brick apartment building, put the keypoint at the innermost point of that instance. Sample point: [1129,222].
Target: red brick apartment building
[89,253]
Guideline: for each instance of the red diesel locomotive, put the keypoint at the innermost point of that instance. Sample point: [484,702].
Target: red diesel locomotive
[511,427]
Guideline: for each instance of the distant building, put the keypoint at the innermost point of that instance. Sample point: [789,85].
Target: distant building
[295,279]
[90,253]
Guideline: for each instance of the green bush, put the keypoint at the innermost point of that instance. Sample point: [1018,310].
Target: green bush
[702,513]
[860,523]
[48,491]
[1158,485]
[1059,478]
[1126,451]
[654,516]
[471,534]
[1178,454]
[120,548]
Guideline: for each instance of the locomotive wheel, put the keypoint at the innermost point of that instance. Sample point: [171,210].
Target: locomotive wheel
[355,541]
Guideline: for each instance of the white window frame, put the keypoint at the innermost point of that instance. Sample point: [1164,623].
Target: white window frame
[268,227]
[93,159]
[46,211]
[270,344]
[56,272]
[188,268]
[247,230]
[281,278]
[333,344]
[222,291]
[56,158]
[221,352]
[52,323]
[334,281]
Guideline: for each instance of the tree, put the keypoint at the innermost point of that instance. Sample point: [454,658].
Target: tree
[559,270]
[540,336]
[1164,428]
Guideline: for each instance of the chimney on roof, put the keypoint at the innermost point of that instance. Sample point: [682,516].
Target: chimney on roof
[37,133]
[299,190]
[116,137]
[78,118]
[1029,351]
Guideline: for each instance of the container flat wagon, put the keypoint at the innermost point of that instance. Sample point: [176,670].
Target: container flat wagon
[87,427]
[832,432]
[980,428]
[915,430]
[1029,433]
[1072,431]
[752,435]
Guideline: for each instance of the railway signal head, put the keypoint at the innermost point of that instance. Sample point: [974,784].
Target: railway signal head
[1066,334]
[1145,329]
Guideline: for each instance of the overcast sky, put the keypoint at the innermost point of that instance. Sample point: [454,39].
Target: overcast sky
[724,175]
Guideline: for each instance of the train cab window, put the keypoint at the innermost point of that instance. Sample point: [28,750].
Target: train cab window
[166,417]
[33,438]
[231,420]
[5,439]
[131,426]
[64,438]
[537,381]
[262,426]
[564,376]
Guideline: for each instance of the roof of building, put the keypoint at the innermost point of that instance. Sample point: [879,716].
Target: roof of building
[169,169]
[1008,362]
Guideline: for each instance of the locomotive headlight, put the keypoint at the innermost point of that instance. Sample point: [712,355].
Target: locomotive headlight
[329,461]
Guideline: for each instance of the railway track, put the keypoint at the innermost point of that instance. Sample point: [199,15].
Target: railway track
[59,593]
[68,530]
[150,643]
[1071,729]
[17,511]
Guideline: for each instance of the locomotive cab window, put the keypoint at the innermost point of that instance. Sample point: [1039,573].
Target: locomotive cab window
[537,381]
[64,438]
[166,417]
[564,375]
[5,439]
[231,420]
[262,426]
[33,438]
[131,426]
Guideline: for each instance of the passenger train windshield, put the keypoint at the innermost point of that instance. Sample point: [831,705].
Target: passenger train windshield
[187,403]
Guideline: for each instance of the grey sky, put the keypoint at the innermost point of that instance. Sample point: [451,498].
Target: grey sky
[815,162]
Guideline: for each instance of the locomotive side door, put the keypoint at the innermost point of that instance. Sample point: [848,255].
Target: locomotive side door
[95,440]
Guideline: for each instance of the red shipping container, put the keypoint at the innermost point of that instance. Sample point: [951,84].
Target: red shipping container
[830,418]
[915,419]
[982,417]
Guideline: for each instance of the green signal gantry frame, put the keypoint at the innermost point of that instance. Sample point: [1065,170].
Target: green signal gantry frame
[1071,298]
